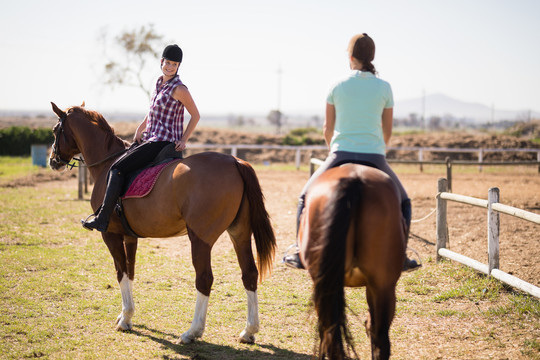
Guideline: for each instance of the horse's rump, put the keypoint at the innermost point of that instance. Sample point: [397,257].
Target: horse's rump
[351,235]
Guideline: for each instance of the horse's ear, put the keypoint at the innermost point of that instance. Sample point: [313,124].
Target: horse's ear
[57,111]
[82,105]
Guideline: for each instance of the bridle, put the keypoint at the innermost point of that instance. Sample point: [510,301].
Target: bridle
[59,129]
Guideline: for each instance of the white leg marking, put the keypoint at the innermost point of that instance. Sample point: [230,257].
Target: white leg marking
[199,320]
[252,325]
[123,322]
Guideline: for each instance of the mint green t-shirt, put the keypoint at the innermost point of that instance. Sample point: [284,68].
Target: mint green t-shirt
[359,101]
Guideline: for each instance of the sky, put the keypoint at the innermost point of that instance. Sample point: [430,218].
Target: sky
[246,57]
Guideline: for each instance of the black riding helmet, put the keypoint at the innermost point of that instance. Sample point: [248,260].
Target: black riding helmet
[173,53]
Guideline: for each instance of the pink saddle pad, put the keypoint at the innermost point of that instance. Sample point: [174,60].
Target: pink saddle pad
[144,182]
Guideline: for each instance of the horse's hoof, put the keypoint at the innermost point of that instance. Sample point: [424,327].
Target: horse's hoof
[121,325]
[185,339]
[248,340]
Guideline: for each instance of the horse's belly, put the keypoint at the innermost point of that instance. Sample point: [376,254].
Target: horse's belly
[355,278]
[148,219]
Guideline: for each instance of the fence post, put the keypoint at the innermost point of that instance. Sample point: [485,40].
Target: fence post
[480,159]
[81,181]
[297,159]
[85,178]
[420,159]
[449,173]
[493,230]
[442,227]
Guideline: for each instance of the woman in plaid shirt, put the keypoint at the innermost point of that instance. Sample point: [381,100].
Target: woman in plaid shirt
[163,125]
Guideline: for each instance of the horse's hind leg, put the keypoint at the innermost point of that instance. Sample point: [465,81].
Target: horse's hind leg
[382,305]
[240,233]
[200,254]
[123,250]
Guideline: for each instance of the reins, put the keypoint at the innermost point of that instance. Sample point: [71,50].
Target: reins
[104,160]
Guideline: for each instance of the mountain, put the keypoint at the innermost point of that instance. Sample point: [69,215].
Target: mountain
[443,106]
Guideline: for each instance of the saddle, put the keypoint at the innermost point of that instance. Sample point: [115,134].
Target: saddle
[358,162]
[140,182]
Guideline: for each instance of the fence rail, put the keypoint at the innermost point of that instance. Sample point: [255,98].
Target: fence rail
[420,160]
[494,208]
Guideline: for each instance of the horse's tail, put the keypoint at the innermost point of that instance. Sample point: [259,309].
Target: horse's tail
[328,293]
[265,240]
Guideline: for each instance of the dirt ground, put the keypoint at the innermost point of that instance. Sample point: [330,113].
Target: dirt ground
[467,225]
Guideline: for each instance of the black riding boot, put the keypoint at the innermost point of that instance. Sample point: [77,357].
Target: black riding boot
[406,210]
[114,188]
[293,260]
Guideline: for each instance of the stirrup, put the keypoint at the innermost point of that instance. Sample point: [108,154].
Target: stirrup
[412,264]
[84,222]
[292,259]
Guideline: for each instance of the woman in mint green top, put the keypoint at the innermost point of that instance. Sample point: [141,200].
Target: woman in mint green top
[358,126]
[357,103]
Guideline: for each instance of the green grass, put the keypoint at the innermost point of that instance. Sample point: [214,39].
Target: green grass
[16,166]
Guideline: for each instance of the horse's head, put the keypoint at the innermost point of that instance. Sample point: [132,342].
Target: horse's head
[65,146]
[86,132]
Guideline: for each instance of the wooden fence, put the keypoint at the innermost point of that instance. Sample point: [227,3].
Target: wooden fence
[233,148]
[494,208]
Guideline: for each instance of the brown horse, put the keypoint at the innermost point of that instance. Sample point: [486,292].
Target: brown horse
[352,234]
[201,196]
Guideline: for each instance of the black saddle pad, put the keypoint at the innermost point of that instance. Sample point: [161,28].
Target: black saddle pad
[358,162]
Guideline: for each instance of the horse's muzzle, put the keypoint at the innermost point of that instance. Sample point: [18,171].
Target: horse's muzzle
[56,164]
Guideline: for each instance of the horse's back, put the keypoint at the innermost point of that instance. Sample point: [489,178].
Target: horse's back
[203,190]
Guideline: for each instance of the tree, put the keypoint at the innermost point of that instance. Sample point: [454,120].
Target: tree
[137,47]
[276,118]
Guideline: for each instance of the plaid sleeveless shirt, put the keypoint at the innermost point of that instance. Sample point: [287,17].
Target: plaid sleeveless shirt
[165,121]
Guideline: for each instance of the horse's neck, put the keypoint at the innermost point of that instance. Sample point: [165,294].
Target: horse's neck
[97,148]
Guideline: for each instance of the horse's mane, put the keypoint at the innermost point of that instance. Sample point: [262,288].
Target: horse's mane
[99,120]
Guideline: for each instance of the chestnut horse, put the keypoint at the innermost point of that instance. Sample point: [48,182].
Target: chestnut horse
[201,196]
[352,234]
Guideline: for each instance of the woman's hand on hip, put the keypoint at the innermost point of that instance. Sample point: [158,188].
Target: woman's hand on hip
[180,145]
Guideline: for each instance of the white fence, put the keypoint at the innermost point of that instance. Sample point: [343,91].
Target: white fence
[420,160]
[494,208]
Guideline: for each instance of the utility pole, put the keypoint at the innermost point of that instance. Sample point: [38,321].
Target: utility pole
[424,109]
[279,73]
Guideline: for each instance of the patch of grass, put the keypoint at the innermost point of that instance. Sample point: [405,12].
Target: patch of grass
[469,285]
[16,166]
[532,348]
[447,312]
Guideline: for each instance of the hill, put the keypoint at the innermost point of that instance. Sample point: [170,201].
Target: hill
[443,106]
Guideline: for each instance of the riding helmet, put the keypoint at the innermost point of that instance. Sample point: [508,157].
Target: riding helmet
[173,53]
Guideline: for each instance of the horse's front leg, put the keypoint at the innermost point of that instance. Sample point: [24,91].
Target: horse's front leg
[200,254]
[123,321]
[123,250]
